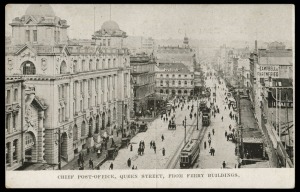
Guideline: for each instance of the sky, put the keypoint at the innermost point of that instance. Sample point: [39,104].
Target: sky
[203,22]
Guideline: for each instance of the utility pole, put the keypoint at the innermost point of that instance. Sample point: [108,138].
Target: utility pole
[122,118]
[197,115]
[239,122]
[185,130]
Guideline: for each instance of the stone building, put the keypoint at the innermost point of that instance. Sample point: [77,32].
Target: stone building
[86,87]
[143,79]
[174,79]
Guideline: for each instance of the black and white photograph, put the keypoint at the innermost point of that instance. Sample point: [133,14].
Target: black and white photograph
[142,87]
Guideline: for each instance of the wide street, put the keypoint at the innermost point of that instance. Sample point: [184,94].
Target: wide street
[174,139]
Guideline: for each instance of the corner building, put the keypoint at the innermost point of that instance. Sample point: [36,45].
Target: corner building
[86,88]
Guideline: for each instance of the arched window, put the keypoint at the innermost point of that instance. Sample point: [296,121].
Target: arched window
[179,91]
[75,67]
[114,62]
[63,67]
[185,82]
[179,82]
[90,65]
[97,64]
[173,82]
[185,91]
[103,64]
[173,75]
[28,68]
[83,65]
[75,133]
[83,132]
[109,63]
[161,91]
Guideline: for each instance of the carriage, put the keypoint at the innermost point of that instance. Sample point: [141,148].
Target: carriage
[172,125]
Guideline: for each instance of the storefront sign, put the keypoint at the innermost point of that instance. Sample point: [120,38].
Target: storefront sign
[266,71]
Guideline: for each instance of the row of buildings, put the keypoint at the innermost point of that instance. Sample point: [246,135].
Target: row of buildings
[74,91]
[265,75]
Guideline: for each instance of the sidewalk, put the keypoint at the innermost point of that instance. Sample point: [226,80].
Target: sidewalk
[73,165]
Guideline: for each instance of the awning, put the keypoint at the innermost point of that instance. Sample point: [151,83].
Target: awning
[252,140]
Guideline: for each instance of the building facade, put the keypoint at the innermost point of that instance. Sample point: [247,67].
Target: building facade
[174,79]
[143,80]
[86,88]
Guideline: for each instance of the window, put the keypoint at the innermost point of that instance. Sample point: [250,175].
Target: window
[75,66]
[81,106]
[108,42]
[247,75]
[58,36]
[109,63]
[27,35]
[191,75]
[161,83]
[179,75]
[179,82]
[173,82]
[185,75]
[59,116]
[28,68]
[191,82]
[90,65]
[185,82]
[63,68]
[14,120]
[103,63]
[114,62]
[83,65]
[8,97]
[62,92]
[7,124]
[16,95]
[15,151]
[97,64]
[167,75]
[55,36]
[161,75]
[104,42]
[173,75]
[35,35]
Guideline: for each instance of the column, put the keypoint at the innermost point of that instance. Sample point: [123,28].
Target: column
[85,92]
[40,137]
[68,101]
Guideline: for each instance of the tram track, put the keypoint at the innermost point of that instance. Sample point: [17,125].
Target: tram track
[174,161]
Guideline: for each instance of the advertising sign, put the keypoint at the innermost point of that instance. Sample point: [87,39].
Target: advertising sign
[265,71]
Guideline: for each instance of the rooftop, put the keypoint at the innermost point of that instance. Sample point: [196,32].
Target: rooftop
[174,67]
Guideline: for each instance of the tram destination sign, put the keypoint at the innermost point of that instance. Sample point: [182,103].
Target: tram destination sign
[265,71]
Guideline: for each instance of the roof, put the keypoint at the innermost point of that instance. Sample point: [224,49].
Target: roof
[174,67]
[110,25]
[247,116]
[188,146]
[276,60]
[40,10]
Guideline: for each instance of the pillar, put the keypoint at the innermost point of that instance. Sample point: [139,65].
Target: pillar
[40,137]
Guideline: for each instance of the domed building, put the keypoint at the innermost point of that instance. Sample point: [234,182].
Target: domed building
[83,89]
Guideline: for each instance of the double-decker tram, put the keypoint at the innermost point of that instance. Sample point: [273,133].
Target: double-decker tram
[189,153]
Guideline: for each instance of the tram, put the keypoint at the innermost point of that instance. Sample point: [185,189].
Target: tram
[189,153]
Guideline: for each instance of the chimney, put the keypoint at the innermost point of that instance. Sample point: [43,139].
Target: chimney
[255,46]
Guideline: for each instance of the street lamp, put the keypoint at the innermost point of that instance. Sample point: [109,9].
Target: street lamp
[185,130]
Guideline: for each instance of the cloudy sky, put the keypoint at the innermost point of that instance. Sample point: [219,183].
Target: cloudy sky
[203,22]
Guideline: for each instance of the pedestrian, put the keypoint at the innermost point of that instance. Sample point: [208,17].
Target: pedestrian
[224,164]
[227,137]
[154,147]
[204,144]
[129,162]
[213,131]
[225,108]
[118,133]
[111,166]
[233,130]
[167,119]
[163,151]
[132,166]
[213,151]
[143,150]
[78,161]
[135,167]
[162,137]
[90,163]
[98,153]
[209,142]
[209,135]
[210,151]
[153,143]
[222,118]
[195,114]
[150,144]
[214,115]
[230,127]
[131,147]
[239,165]
[164,119]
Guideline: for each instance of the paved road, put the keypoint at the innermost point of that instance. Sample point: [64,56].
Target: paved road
[150,159]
